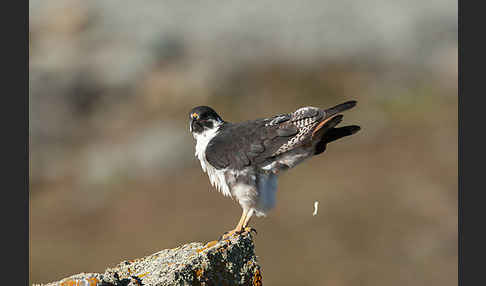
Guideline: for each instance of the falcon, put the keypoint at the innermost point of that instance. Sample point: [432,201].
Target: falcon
[243,160]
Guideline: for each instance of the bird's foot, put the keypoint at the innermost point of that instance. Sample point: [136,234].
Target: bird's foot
[249,229]
[228,234]
[233,232]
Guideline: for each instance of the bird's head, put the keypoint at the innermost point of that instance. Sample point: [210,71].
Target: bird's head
[203,119]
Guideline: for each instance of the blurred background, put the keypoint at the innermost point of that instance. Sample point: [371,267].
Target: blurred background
[112,169]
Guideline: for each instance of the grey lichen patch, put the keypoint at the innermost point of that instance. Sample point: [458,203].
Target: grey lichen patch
[226,262]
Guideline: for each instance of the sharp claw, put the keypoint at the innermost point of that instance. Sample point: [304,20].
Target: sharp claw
[250,229]
[223,237]
[227,235]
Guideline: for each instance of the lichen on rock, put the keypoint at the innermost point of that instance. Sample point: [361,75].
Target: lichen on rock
[226,262]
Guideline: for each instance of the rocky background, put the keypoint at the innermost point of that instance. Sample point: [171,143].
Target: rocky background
[112,170]
[228,262]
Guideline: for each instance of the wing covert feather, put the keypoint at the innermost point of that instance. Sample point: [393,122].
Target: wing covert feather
[257,142]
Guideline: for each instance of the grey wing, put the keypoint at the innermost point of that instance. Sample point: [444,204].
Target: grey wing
[309,120]
[257,142]
[305,119]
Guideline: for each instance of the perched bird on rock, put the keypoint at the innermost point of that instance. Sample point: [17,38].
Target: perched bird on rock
[243,160]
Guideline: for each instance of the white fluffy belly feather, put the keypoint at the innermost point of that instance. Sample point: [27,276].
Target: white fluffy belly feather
[216,177]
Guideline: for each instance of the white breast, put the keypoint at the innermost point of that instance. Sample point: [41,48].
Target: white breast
[216,177]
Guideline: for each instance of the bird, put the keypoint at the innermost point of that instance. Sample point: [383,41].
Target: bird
[244,160]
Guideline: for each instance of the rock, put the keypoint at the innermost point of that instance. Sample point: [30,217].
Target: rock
[227,262]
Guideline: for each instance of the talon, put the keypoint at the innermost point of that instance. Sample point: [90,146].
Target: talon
[227,235]
[250,229]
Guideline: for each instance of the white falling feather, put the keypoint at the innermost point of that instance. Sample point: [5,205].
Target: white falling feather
[316,205]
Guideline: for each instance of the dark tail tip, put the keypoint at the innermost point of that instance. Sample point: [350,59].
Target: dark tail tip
[341,107]
[349,104]
[334,134]
[337,133]
[353,129]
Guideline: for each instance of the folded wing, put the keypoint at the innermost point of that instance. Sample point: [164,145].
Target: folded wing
[257,142]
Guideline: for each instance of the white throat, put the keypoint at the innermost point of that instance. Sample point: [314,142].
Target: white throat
[202,141]
[216,177]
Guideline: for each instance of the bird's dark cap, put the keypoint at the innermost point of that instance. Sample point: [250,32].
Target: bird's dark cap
[203,112]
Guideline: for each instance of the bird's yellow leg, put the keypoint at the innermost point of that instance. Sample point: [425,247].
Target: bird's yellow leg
[247,220]
[238,227]
[240,224]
